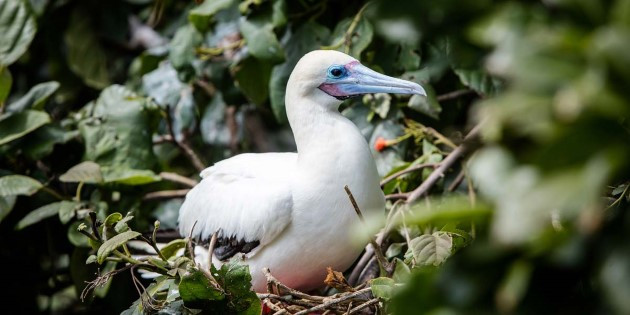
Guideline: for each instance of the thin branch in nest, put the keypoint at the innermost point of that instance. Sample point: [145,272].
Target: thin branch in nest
[362,306]
[334,302]
[454,95]
[382,261]
[279,285]
[189,246]
[213,242]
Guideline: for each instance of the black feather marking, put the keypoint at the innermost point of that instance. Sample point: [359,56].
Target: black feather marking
[227,247]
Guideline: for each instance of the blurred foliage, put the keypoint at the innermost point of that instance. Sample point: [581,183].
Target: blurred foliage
[101,102]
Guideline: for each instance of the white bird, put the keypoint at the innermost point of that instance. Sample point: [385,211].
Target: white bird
[289,211]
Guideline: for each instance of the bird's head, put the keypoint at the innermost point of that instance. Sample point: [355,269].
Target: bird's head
[332,76]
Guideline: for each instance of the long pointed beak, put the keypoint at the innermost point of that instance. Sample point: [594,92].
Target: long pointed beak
[363,80]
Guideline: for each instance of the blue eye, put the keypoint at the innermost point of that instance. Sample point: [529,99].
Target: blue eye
[336,72]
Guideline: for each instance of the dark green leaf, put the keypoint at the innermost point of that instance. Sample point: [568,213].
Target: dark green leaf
[87,172]
[121,226]
[6,205]
[112,219]
[35,98]
[14,185]
[182,48]
[169,250]
[42,141]
[127,176]
[111,244]
[427,105]
[252,77]
[39,214]
[352,42]
[196,289]
[17,27]
[75,237]
[16,125]
[85,56]
[67,210]
[6,80]
[432,249]
[478,80]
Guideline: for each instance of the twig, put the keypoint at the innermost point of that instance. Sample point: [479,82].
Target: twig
[396,196]
[363,261]
[166,194]
[382,261]
[458,180]
[410,169]
[454,95]
[333,302]
[362,306]
[272,279]
[183,145]
[444,166]
[213,242]
[287,299]
[176,178]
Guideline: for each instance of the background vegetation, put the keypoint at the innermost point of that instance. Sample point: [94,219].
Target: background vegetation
[113,107]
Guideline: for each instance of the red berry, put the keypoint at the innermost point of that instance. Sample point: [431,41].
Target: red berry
[380,144]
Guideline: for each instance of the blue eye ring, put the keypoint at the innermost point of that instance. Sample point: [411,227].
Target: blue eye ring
[337,72]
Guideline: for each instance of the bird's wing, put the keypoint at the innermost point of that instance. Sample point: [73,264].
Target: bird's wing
[247,198]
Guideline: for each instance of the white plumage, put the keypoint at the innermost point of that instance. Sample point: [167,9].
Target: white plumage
[294,203]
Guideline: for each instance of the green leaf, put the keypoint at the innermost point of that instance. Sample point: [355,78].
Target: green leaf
[17,27]
[42,141]
[402,271]
[35,98]
[169,250]
[201,16]
[261,40]
[382,287]
[427,105]
[87,172]
[196,289]
[121,226]
[67,210]
[432,249]
[182,49]
[308,37]
[16,125]
[6,205]
[252,77]
[75,237]
[379,103]
[279,13]
[14,185]
[127,176]
[111,244]
[236,280]
[478,80]
[85,55]
[6,80]
[39,214]
[118,133]
[112,219]
[91,259]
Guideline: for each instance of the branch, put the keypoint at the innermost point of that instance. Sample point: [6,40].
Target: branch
[334,302]
[272,280]
[176,178]
[183,145]
[362,306]
[166,194]
[454,95]
[444,166]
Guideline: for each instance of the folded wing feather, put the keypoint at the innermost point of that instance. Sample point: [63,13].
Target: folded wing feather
[247,197]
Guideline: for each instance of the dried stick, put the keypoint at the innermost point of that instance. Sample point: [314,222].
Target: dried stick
[213,242]
[176,178]
[273,280]
[363,261]
[382,261]
[454,95]
[362,306]
[444,166]
[166,194]
[410,169]
[334,302]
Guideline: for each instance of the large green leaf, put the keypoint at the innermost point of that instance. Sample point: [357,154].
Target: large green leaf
[427,105]
[39,214]
[201,16]
[354,41]
[14,185]
[86,56]
[128,176]
[35,98]
[308,37]
[111,244]
[252,77]
[14,126]
[170,249]
[42,141]
[87,172]
[382,287]
[182,49]
[261,40]
[118,133]
[17,27]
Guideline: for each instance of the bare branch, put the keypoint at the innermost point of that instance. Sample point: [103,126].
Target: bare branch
[410,169]
[183,144]
[166,194]
[454,95]
[176,178]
